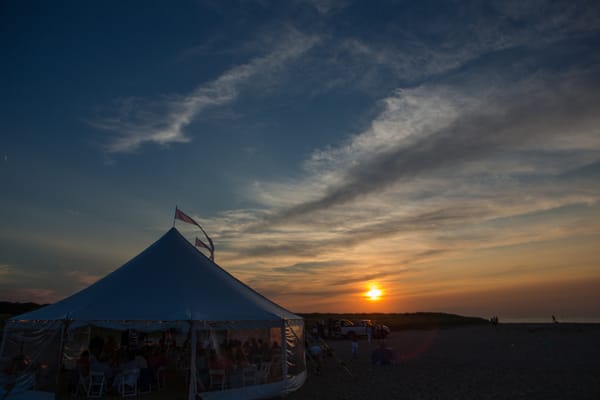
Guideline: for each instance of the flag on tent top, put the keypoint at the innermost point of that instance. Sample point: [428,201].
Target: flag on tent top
[180,215]
[200,243]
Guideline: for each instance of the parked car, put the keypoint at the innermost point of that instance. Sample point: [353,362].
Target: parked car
[381,331]
[347,329]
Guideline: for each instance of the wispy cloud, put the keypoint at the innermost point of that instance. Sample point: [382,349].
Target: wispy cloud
[5,269]
[310,266]
[136,121]
[441,171]
[35,295]
[424,48]
[398,149]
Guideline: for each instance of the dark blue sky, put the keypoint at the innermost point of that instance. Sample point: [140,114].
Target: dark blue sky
[396,144]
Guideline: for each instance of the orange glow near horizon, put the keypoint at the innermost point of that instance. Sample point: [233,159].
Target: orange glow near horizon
[374,293]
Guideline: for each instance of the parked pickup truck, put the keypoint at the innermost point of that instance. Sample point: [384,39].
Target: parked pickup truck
[347,329]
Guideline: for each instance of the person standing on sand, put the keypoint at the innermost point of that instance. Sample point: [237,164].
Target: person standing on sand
[354,347]
[316,353]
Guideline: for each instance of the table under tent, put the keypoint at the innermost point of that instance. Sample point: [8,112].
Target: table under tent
[202,332]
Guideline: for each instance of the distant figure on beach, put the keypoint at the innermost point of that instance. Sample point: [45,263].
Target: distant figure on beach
[316,353]
[354,347]
[554,319]
[383,355]
[369,333]
[494,320]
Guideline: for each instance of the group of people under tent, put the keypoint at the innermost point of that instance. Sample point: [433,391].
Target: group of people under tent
[153,360]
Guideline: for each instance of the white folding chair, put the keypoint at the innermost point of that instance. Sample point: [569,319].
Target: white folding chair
[249,375]
[81,384]
[264,372]
[96,385]
[129,383]
[217,379]
[146,380]
[161,377]
[200,387]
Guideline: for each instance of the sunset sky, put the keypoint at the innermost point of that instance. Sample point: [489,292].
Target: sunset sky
[447,153]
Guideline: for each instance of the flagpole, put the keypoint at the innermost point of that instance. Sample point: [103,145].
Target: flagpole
[175,216]
[186,218]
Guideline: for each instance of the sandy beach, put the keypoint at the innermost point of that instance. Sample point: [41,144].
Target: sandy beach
[508,361]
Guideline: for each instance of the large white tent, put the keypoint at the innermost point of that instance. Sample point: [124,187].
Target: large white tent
[170,285]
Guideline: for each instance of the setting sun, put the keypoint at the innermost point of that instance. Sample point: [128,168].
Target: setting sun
[374,293]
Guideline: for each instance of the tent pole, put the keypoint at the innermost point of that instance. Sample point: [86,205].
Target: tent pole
[61,352]
[193,386]
[284,364]
[4,335]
